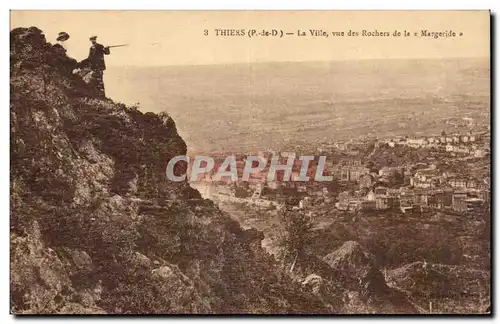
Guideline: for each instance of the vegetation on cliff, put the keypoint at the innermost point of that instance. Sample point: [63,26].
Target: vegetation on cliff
[95,226]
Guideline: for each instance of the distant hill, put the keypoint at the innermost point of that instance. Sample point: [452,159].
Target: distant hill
[255,106]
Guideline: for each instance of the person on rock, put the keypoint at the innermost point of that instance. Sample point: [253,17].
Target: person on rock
[62,37]
[95,61]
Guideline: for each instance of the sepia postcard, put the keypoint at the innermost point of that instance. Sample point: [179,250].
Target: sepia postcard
[250,162]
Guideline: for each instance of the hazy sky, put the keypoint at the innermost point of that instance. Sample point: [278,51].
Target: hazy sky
[177,37]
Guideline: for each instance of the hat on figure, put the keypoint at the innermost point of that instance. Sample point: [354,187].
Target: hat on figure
[93,38]
[63,36]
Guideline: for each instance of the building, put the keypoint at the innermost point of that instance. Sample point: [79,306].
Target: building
[472,184]
[457,149]
[381,191]
[304,203]
[349,173]
[474,205]
[421,198]
[257,188]
[386,202]
[485,195]
[288,155]
[381,204]
[459,202]
[416,142]
[433,201]
[479,153]
[425,178]
[301,188]
[406,201]
[356,173]
[368,205]
[457,183]
[273,185]
[387,172]
[366,181]
[444,198]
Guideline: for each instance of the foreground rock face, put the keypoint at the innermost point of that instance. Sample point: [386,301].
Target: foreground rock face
[95,226]
[355,271]
[356,267]
[450,288]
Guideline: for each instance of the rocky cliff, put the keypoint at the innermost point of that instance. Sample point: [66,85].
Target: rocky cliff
[95,226]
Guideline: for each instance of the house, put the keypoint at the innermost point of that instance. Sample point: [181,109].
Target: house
[348,173]
[425,178]
[388,171]
[370,196]
[368,205]
[457,149]
[304,203]
[479,153]
[421,198]
[381,191]
[474,204]
[301,188]
[273,185]
[459,202]
[288,155]
[444,198]
[406,200]
[382,203]
[433,201]
[357,172]
[343,197]
[366,181]
[472,184]
[416,142]
[457,183]
[485,195]
[385,199]
[354,205]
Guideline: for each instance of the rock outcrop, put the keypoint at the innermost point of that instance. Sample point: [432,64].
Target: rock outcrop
[96,227]
[355,270]
[451,288]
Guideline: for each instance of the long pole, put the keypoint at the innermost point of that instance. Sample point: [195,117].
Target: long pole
[121,45]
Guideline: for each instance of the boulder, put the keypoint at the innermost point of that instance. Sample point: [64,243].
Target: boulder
[356,267]
[37,275]
[313,283]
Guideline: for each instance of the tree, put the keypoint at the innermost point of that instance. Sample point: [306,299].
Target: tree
[297,235]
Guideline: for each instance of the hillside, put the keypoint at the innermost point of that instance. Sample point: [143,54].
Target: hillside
[96,228]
